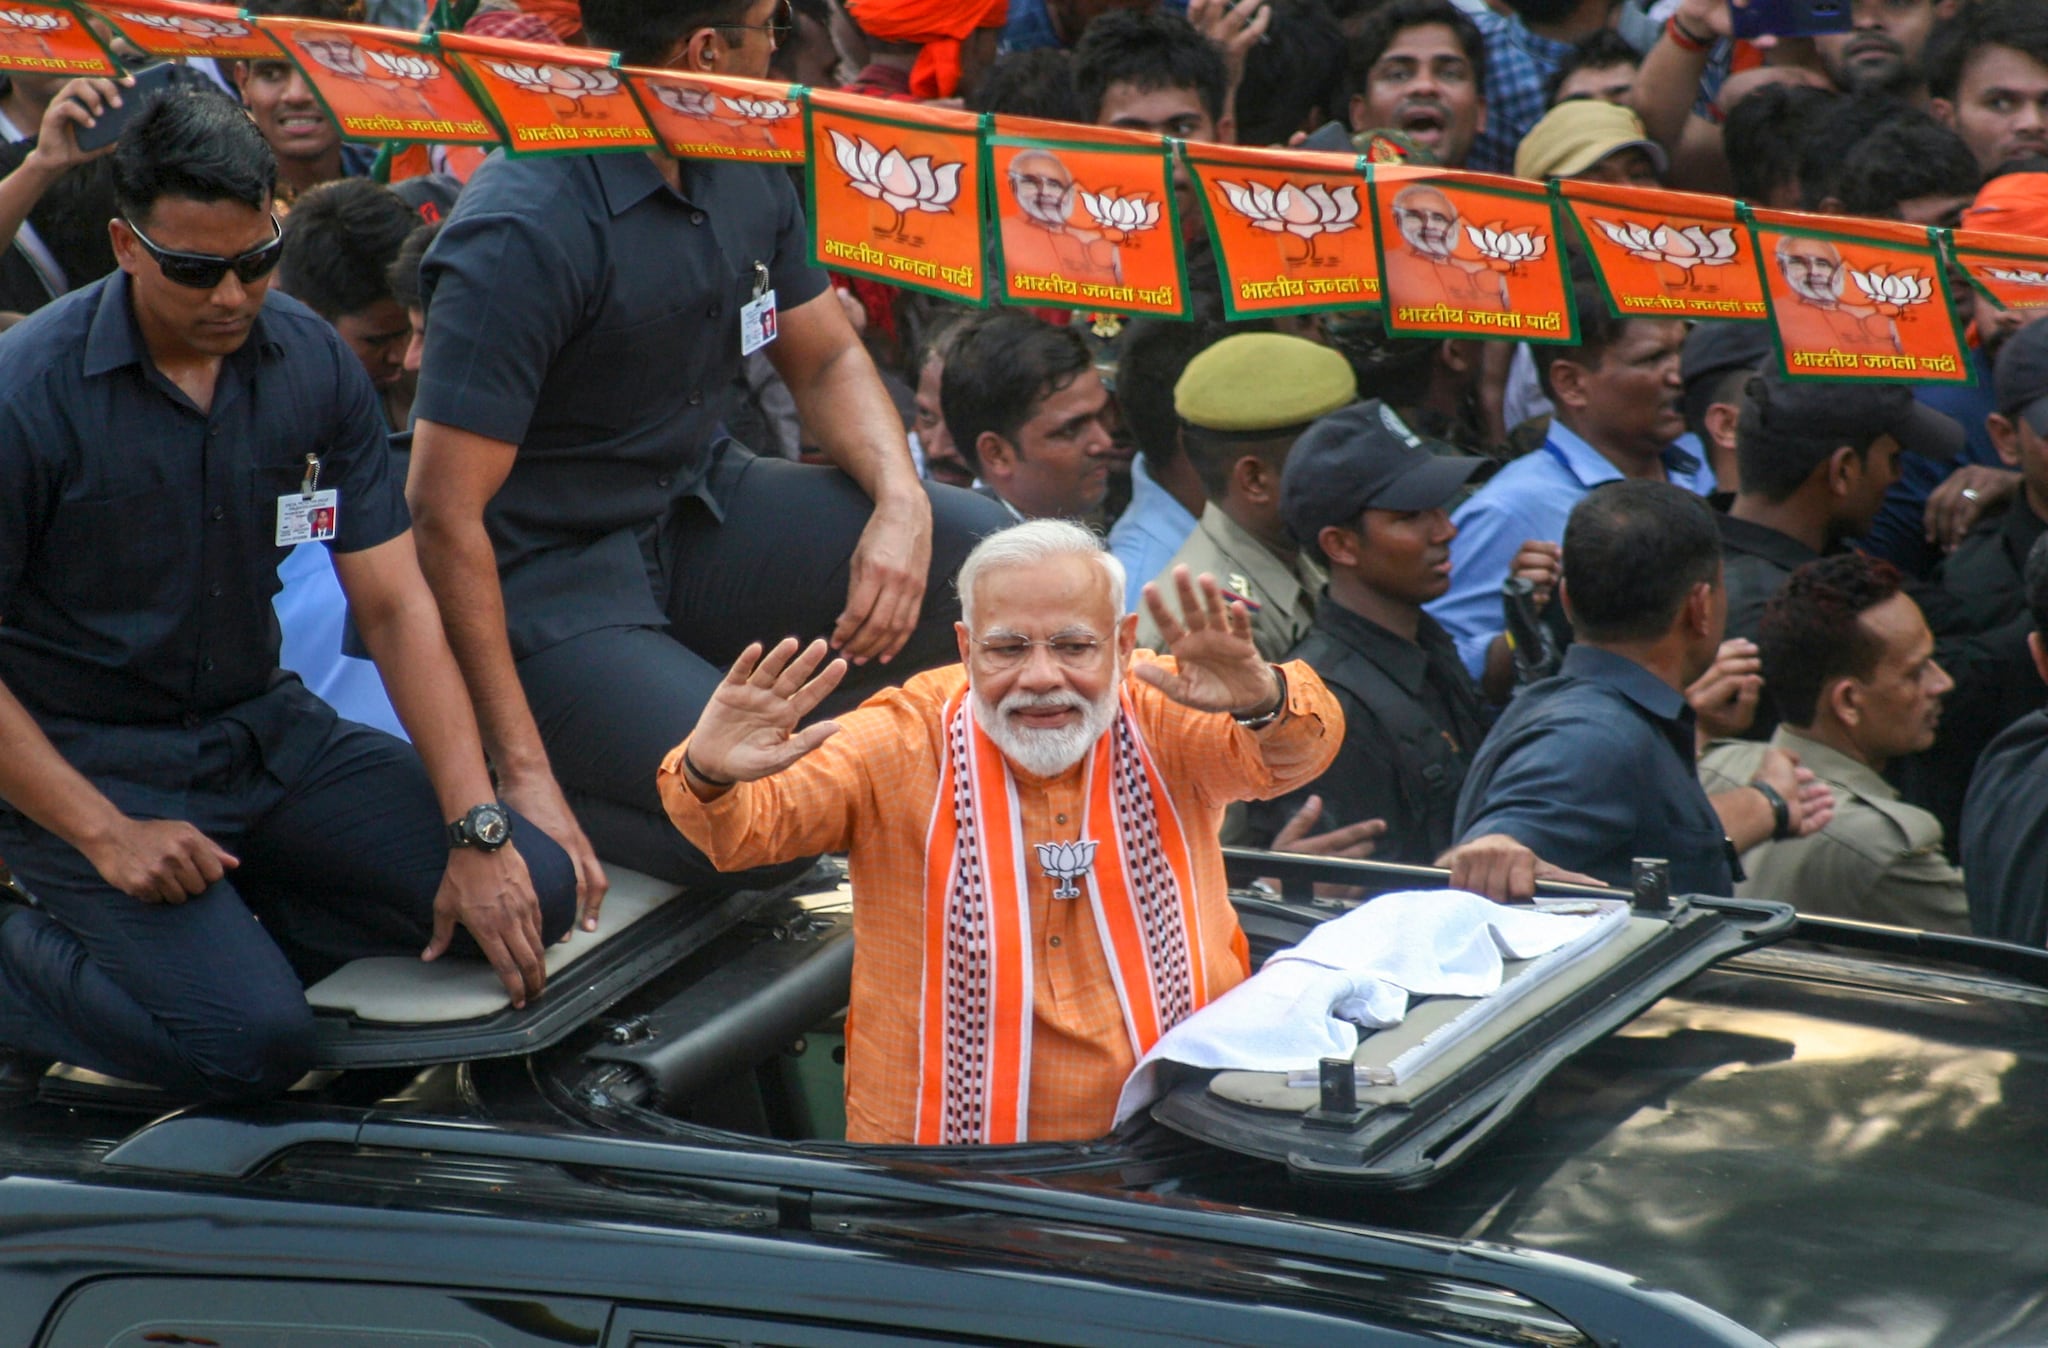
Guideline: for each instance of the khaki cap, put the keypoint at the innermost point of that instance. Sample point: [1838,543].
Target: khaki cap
[1263,381]
[1574,136]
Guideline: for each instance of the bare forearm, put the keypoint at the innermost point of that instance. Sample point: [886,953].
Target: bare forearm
[36,780]
[1746,817]
[19,193]
[844,405]
[427,692]
[1665,89]
[462,571]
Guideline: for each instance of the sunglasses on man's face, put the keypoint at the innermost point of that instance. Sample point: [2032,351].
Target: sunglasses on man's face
[204,271]
[778,28]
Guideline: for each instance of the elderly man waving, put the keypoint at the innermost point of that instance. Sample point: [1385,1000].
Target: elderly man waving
[1033,833]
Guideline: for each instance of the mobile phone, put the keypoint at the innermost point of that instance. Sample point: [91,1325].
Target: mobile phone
[1790,18]
[150,81]
[1334,137]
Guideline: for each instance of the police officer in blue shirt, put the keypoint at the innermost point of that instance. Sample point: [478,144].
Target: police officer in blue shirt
[1594,767]
[167,435]
[600,554]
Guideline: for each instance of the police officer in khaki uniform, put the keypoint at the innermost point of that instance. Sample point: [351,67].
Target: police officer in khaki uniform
[1851,661]
[1242,404]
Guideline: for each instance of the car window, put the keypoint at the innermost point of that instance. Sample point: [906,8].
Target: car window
[263,1313]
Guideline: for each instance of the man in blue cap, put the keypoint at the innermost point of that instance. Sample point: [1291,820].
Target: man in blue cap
[1370,500]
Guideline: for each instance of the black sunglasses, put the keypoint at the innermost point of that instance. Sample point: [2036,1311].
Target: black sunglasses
[778,28]
[203,271]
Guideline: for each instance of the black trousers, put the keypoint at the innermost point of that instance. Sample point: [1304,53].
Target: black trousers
[204,997]
[611,704]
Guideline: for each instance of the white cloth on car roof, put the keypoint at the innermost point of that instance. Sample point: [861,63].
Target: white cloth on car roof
[1360,969]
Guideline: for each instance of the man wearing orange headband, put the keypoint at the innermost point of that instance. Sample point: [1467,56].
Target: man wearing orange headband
[943,45]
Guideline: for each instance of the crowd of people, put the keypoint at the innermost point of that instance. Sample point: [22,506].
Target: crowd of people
[390,543]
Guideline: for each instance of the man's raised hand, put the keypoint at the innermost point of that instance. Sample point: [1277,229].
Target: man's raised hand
[748,729]
[1217,668]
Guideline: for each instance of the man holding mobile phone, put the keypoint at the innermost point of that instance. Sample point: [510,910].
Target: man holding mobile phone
[48,184]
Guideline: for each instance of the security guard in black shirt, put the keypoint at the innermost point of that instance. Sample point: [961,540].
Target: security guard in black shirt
[600,555]
[167,435]
[1373,498]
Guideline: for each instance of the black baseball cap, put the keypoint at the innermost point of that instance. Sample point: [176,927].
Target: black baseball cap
[1716,347]
[1364,457]
[2020,378]
[1818,418]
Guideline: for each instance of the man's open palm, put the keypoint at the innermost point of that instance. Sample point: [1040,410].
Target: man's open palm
[1217,668]
[748,729]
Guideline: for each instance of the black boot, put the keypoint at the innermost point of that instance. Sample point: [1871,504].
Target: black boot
[21,1074]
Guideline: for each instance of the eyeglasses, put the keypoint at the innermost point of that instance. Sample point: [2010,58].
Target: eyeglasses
[1006,653]
[777,28]
[204,271]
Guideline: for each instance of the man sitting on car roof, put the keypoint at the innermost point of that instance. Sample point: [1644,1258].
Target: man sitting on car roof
[1033,833]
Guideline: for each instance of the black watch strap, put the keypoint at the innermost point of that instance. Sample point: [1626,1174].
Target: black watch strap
[486,827]
[1781,813]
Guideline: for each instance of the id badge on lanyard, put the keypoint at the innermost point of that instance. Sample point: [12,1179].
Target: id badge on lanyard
[757,316]
[308,515]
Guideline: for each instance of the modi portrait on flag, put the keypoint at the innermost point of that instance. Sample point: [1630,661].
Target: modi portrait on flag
[1817,316]
[1040,237]
[1428,267]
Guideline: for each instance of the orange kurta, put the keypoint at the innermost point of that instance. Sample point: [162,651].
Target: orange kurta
[869,791]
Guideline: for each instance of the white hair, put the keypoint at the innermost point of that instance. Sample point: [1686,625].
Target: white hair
[1030,543]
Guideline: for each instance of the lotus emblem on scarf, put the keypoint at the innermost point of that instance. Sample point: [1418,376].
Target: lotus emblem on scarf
[903,184]
[1507,249]
[2018,276]
[1066,862]
[1121,217]
[1304,212]
[1684,248]
[190,26]
[1893,292]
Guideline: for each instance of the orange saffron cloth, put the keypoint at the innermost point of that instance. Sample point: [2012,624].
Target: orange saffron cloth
[869,791]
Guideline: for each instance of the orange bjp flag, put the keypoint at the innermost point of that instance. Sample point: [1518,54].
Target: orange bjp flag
[2011,270]
[895,193]
[720,117]
[381,84]
[1857,299]
[51,40]
[1665,254]
[1469,255]
[550,99]
[1086,220]
[169,28]
[1292,230]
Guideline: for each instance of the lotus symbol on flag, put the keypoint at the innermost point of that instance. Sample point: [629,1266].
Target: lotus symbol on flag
[406,68]
[761,109]
[188,25]
[32,21]
[1893,292]
[571,84]
[339,55]
[1304,212]
[685,101]
[1066,862]
[2017,276]
[1504,249]
[1683,249]
[1121,217]
[905,185]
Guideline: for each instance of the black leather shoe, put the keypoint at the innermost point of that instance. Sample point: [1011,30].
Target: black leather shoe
[21,1075]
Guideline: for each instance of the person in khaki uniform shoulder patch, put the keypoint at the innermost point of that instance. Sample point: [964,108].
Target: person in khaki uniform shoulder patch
[1242,404]
[1851,662]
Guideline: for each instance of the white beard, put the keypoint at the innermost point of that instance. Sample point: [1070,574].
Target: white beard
[1046,753]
